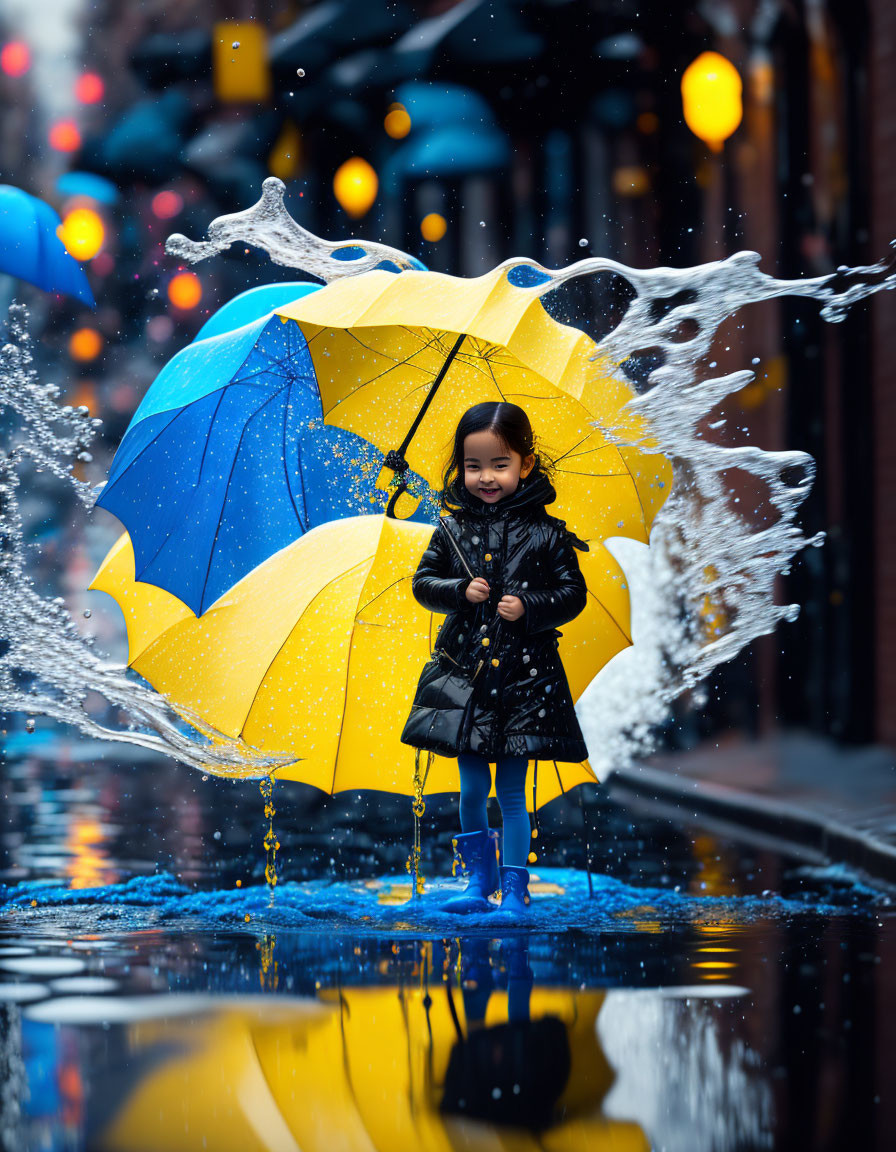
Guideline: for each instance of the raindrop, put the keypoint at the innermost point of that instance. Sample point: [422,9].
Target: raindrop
[235,44]
[29,725]
[481,223]
[583,243]
[300,72]
[755,360]
[533,671]
[216,836]
[541,712]
[87,613]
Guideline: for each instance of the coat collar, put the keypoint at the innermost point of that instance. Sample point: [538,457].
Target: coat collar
[530,497]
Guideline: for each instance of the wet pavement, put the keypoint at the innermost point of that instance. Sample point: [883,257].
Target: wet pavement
[836,801]
[708,994]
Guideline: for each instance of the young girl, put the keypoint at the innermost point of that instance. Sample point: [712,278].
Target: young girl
[528,577]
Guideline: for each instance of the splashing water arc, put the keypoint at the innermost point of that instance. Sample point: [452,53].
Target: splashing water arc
[701,549]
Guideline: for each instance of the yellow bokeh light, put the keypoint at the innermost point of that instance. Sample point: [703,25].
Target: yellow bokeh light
[433,227]
[631,180]
[355,186]
[85,344]
[397,123]
[711,91]
[185,290]
[82,233]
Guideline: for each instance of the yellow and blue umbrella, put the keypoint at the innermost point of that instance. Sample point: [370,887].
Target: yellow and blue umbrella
[227,458]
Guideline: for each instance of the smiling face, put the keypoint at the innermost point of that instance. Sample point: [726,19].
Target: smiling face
[491,469]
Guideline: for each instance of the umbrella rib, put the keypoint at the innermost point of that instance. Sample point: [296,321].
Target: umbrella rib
[395,361]
[382,592]
[611,616]
[273,659]
[597,475]
[494,380]
[570,451]
[299,517]
[239,445]
[145,448]
[170,531]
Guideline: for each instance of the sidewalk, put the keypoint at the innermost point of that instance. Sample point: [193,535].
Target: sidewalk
[836,801]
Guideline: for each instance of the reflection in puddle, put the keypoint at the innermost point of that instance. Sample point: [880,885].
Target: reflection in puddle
[461,1047]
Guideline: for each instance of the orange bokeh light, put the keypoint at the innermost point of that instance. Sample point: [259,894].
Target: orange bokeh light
[89,88]
[167,204]
[64,136]
[85,344]
[15,58]
[185,290]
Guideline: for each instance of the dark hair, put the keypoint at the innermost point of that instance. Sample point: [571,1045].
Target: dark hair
[511,425]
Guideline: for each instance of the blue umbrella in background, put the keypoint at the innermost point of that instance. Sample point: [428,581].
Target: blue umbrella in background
[454,134]
[31,250]
[227,459]
[87,184]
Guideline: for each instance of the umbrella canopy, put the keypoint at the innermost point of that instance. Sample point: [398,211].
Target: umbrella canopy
[31,250]
[316,653]
[227,458]
[398,359]
[360,1069]
[252,305]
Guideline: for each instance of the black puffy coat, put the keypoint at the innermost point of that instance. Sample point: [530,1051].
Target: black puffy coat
[522,707]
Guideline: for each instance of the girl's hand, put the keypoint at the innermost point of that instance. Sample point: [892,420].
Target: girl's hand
[477,590]
[511,607]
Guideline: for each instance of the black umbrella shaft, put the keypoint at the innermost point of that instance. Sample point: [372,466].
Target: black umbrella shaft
[438,380]
[395,459]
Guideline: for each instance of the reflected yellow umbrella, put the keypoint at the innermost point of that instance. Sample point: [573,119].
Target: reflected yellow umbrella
[398,360]
[361,1070]
[316,653]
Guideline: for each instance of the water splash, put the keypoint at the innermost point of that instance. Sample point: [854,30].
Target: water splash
[705,587]
[271,843]
[47,667]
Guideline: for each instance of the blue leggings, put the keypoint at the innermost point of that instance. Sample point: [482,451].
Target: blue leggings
[510,785]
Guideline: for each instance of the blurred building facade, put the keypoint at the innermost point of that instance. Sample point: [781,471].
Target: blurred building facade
[526,129]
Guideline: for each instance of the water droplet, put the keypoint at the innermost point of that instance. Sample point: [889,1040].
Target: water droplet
[583,243]
[87,613]
[533,671]
[29,725]
[481,223]
[235,44]
[300,72]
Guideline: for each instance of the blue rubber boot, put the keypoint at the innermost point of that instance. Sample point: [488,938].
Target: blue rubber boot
[478,855]
[514,893]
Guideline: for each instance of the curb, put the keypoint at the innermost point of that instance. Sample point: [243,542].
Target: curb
[837,843]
